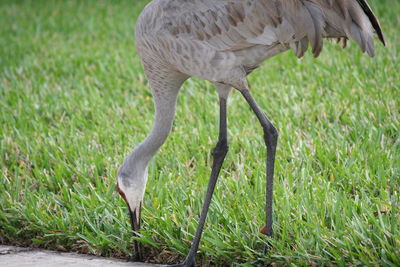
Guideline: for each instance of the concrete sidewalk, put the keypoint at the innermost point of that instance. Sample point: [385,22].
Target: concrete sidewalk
[25,257]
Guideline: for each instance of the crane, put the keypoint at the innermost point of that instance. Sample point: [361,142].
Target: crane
[222,42]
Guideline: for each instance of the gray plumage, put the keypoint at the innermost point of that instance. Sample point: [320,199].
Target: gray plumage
[222,42]
[214,40]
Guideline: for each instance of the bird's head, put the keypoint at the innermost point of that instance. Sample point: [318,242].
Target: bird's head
[131,186]
[131,189]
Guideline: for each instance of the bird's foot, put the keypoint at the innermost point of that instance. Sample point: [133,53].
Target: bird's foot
[264,231]
[267,248]
[189,262]
[137,256]
[261,262]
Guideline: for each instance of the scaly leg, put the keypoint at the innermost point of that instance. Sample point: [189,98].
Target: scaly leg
[271,140]
[219,153]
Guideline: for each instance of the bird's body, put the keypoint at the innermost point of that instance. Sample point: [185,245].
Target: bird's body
[173,42]
[222,41]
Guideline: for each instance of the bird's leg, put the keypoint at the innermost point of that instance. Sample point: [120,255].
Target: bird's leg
[271,140]
[219,153]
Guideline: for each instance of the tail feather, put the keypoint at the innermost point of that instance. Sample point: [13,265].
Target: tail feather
[372,18]
[353,20]
[312,20]
[316,31]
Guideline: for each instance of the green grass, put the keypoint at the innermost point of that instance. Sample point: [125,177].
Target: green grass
[74,101]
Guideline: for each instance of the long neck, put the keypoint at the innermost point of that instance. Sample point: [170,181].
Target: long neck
[157,136]
[165,101]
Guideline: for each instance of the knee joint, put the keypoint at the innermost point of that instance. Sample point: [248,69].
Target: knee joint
[270,134]
[220,149]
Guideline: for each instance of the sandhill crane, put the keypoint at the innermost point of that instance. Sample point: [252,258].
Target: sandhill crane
[222,42]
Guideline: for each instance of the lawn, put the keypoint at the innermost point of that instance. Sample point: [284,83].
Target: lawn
[74,101]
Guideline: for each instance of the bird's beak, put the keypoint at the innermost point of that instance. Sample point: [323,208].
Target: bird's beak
[135,217]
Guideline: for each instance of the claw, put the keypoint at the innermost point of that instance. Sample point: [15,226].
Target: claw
[187,263]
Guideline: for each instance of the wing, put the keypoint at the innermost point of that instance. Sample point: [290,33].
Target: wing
[227,25]
[235,25]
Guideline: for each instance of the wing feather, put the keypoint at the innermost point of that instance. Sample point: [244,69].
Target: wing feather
[235,25]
